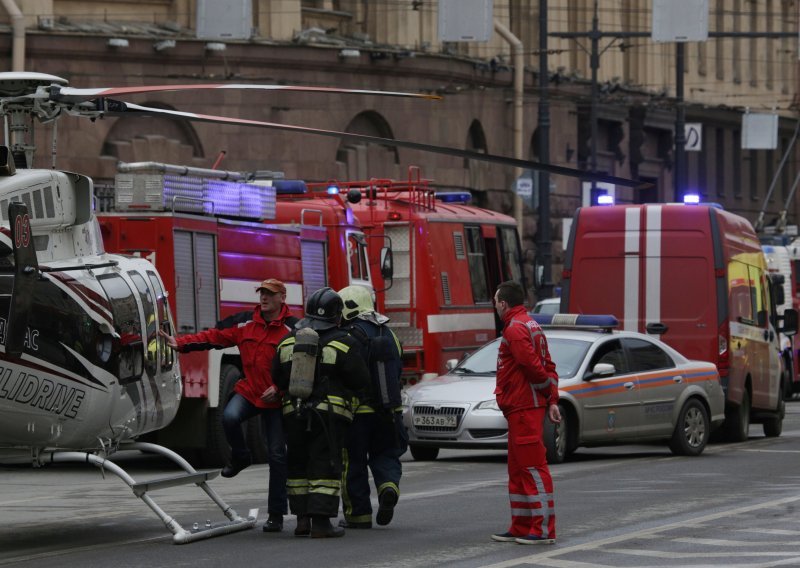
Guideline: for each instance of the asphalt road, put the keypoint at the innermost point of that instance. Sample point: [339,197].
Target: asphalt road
[635,506]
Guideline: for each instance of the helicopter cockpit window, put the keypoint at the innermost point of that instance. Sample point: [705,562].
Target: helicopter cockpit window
[166,355]
[127,354]
[146,295]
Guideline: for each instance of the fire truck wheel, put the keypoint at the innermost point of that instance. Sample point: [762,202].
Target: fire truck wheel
[556,437]
[737,421]
[423,453]
[218,452]
[774,426]
[692,429]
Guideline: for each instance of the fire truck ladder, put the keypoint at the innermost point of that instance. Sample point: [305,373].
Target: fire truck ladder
[141,489]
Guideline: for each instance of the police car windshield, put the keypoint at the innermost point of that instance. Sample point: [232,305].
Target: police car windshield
[567,354]
[482,362]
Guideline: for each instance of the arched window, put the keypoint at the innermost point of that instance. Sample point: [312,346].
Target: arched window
[359,160]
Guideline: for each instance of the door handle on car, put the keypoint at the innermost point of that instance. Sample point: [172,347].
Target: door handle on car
[678,379]
[628,385]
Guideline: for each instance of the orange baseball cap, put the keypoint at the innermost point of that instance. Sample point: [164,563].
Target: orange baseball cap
[273,285]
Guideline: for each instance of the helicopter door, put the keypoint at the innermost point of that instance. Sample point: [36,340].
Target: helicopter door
[166,356]
[127,358]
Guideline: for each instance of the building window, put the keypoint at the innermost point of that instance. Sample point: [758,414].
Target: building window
[719,159]
[737,164]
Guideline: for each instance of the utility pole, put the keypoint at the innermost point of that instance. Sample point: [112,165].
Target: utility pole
[680,125]
[544,244]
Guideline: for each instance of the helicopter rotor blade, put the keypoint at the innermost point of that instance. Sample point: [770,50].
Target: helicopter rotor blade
[69,94]
[110,107]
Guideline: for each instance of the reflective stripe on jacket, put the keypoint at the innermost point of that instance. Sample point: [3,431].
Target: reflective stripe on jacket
[526,375]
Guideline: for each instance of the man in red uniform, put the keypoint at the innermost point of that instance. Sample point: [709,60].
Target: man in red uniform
[255,394]
[527,388]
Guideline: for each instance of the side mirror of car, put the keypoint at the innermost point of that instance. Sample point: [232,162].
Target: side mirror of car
[451,364]
[602,370]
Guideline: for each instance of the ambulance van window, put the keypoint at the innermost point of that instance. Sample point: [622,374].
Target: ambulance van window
[645,356]
[739,288]
[476,256]
[128,356]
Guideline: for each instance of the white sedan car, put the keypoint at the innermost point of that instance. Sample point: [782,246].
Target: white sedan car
[616,387]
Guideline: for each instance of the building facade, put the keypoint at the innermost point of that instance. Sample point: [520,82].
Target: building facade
[749,64]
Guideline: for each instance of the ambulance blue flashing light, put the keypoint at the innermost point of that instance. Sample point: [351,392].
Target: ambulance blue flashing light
[691,199]
[605,200]
[606,322]
[453,196]
[290,187]
[332,189]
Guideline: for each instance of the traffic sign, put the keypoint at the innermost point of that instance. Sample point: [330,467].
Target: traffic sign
[693,136]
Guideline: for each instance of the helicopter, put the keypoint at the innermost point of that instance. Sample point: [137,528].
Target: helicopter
[83,369]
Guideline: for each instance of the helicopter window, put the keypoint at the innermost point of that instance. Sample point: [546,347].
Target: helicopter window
[167,356]
[146,295]
[50,208]
[38,209]
[127,354]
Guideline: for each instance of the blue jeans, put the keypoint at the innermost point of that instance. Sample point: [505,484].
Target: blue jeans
[238,410]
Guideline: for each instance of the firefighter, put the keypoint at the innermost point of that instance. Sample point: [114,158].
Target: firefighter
[319,371]
[377,437]
[255,394]
[526,389]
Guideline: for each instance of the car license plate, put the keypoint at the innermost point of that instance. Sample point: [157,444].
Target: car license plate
[447,420]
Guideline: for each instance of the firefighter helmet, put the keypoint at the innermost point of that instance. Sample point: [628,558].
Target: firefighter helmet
[357,300]
[323,310]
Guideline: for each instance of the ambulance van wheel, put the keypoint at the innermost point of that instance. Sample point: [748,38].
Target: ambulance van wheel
[423,453]
[737,421]
[556,438]
[217,451]
[692,430]
[774,426]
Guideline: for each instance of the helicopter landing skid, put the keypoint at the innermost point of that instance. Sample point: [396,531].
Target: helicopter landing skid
[190,476]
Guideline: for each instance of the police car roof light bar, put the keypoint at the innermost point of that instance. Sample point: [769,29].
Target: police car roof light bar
[575,321]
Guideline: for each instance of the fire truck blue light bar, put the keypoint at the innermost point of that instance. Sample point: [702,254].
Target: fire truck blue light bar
[217,197]
[453,196]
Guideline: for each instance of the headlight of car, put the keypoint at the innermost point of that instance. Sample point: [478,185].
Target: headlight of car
[488,405]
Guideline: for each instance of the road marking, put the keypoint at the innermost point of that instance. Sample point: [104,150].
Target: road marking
[25,500]
[91,547]
[729,543]
[552,553]
[772,451]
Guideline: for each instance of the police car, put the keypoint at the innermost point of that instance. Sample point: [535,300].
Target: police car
[616,387]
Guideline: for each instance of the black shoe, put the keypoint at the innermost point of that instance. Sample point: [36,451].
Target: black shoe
[274,523]
[236,465]
[321,527]
[386,502]
[303,526]
[345,524]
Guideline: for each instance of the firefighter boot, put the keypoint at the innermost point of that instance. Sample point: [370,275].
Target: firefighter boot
[303,526]
[321,527]
[386,502]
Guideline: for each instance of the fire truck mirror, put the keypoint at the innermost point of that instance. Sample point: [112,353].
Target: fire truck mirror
[789,322]
[387,263]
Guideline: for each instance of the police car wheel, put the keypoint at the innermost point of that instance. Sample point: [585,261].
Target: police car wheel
[692,429]
[556,437]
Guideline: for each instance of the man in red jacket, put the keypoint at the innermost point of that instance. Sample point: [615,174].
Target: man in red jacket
[255,394]
[527,388]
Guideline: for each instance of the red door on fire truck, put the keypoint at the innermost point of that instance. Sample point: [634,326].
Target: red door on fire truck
[696,276]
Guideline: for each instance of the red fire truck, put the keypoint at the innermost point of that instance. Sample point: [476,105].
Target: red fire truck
[213,238]
[436,262]
[348,259]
